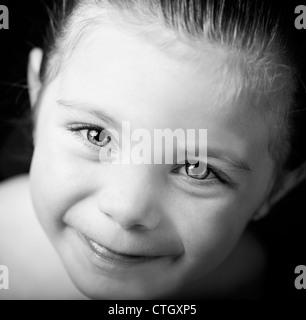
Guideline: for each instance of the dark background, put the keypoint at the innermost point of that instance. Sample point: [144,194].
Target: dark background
[27,20]
[283,232]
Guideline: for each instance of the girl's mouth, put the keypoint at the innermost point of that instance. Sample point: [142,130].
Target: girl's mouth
[107,255]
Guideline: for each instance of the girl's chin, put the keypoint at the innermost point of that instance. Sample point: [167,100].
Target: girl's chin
[102,275]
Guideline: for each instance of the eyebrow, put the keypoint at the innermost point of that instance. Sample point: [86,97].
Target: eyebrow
[91,109]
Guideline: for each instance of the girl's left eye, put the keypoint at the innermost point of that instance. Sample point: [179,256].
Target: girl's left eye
[200,174]
[192,171]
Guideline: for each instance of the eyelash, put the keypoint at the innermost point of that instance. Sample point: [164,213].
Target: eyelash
[221,178]
[77,128]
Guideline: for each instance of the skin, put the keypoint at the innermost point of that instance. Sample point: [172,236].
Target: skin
[35,269]
[144,210]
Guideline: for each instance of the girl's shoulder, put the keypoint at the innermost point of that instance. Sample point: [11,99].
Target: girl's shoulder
[35,269]
[17,217]
[15,205]
[14,188]
[7,187]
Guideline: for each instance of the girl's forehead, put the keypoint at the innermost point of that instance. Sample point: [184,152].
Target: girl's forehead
[110,59]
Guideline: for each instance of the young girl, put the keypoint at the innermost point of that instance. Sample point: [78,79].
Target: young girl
[147,231]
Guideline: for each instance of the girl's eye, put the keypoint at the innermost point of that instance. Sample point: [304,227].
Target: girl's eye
[93,137]
[201,175]
[100,138]
[192,171]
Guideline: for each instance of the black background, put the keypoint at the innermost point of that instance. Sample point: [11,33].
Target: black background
[26,29]
[283,232]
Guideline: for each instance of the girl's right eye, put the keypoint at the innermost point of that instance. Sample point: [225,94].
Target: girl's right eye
[93,137]
[100,138]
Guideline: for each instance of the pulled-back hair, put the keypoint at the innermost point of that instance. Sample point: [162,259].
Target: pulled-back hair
[254,30]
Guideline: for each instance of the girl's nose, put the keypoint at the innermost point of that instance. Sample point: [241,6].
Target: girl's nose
[132,198]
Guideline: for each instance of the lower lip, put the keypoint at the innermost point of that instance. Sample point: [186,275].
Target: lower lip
[105,255]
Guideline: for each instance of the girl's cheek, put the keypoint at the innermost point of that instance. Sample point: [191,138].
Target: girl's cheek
[55,181]
[208,240]
[212,227]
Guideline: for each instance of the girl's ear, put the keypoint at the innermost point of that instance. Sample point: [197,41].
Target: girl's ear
[34,83]
[290,180]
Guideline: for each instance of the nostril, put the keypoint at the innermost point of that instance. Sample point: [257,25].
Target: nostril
[132,226]
[107,214]
[140,227]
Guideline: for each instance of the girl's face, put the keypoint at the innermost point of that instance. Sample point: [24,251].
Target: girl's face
[143,231]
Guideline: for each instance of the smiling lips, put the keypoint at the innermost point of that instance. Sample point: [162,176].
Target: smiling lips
[111,256]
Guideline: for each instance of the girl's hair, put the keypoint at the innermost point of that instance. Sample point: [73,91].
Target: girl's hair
[258,31]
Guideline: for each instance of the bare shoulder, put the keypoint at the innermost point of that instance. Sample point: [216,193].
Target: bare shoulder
[35,270]
[18,223]
[9,187]
[14,196]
